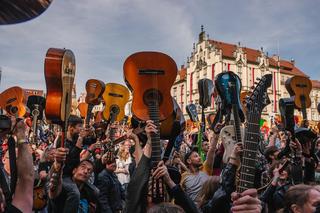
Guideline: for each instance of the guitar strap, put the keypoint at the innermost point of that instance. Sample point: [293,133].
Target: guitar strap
[13,164]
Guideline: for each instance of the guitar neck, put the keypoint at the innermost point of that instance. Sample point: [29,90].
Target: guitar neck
[236,123]
[249,156]
[88,117]
[303,107]
[155,137]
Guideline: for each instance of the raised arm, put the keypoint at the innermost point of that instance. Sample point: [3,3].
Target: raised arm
[23,195]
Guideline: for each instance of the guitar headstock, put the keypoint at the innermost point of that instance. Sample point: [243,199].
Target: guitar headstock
[259,97]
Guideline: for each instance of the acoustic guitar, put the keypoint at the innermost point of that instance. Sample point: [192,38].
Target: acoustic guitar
[150,76]
[12,101]
[257,101]
[300,87]
[83,109]
[94,89]
[115,96]
[17,11]
[59,72]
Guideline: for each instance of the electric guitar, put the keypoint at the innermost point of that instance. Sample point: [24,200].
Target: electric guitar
[150,76]
[300,87]
[257,101]
[36,104]
[228,87]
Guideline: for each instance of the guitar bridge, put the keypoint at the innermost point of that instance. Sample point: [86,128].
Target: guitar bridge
[151,72]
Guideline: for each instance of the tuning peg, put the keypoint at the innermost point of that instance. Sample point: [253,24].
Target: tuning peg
[255,83]
[258,79]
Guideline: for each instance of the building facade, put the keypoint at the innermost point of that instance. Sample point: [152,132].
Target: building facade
[210,57]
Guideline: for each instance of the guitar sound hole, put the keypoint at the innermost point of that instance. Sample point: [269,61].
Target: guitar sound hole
[151,96]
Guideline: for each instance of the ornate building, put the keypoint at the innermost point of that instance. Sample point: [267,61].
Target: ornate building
[210,57]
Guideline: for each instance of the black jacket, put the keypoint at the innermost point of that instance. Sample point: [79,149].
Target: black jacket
[111,192]
[221,199]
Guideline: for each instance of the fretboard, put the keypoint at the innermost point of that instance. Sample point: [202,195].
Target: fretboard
[249,156]
[155,137]
[88,117]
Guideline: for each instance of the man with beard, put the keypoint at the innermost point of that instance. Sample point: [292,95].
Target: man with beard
[199,172]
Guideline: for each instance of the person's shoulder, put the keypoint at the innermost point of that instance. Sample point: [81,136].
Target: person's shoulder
[12,209]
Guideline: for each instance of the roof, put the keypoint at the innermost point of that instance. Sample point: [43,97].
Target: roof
[315,84]
[287,67]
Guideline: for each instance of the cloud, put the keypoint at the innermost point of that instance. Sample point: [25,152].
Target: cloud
[102,33]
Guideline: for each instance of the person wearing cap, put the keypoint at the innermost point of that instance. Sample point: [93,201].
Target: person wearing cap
[198,171]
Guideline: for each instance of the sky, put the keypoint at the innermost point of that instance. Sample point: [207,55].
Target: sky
[103,33]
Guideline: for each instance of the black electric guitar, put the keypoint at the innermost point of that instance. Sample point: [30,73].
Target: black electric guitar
[192,112]
[286,107]
[36,104]
[257,101]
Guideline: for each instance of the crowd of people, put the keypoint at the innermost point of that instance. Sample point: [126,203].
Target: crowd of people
[90,174]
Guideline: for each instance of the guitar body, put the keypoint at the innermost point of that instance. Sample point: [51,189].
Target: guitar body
[222,84]
[150,74]
[83,109]
[192,112]
[228,138]
[115,96]
[39,198]
[205,87]
[12,101]
[300,87]
[94,89]
[59,71]
[17,11]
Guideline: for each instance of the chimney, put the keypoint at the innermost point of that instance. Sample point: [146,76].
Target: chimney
[292,61]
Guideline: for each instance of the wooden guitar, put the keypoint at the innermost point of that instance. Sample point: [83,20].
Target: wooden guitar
[300,87]
[17,11]
[59,72]
[95,89]
[115,96]
[257,101]
[12,101]
[83,109]
[150,76]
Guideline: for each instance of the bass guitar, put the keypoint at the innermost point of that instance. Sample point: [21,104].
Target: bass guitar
[257,101]
[59,72]
[150,76]
[300,87]
[228,86]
